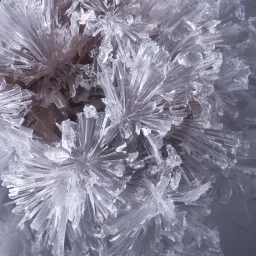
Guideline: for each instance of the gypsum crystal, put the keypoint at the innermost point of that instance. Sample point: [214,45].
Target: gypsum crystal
[14,105]
[171,88]
[113,20]
[54,185]
[14,140]
[12,240]
[39,52]
[191,86]
[156,215]
[136,93]
[118,21]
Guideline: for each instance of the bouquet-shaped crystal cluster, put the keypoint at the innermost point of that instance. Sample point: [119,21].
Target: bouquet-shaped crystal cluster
[121,124]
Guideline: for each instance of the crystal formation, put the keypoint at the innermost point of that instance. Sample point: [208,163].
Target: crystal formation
[122,121]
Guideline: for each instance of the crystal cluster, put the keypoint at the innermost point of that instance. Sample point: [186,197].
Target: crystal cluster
[122,121]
